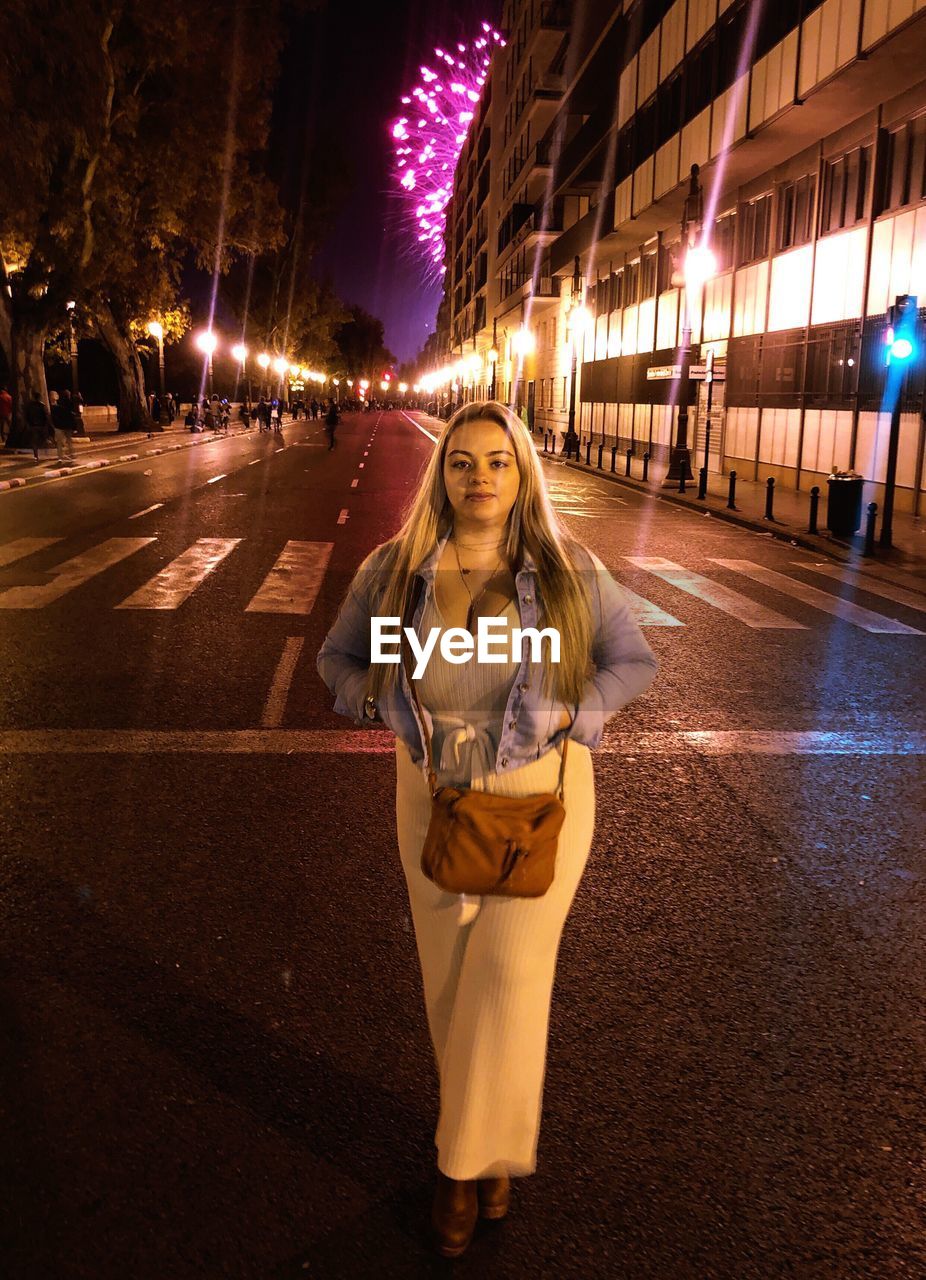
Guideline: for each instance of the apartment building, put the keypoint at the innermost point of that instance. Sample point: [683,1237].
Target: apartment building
[808,122]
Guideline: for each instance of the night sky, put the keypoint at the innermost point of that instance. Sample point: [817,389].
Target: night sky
[344,71]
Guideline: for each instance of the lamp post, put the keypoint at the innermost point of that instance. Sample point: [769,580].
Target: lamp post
[264,361]
[240,352]
[572,440]
[207,343]
[75,385]
[698,267]
[493,357]
[156,329]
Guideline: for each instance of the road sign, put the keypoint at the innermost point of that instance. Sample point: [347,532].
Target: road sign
[660,372]
[699,371]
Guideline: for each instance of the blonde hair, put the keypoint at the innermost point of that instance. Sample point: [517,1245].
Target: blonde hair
[532,527]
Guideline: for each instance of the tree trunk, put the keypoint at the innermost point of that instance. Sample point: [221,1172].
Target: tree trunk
[27,351]
[131,406]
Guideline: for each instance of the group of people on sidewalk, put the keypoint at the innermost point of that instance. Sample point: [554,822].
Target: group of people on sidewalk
[43,428]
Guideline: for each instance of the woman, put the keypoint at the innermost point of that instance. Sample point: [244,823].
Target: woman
[481,540]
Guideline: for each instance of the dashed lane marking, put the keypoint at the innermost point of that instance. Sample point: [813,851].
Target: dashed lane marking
[293,583]
[177,581]
[215,478]
[72,573]
[341,742]
[275,705]
[147,511]
[867,619]
[354,483]
[343,516]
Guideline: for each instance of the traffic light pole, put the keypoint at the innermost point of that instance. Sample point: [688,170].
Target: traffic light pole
[902,320]
[890,474]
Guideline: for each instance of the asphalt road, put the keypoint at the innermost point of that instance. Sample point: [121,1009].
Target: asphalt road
[214,1058]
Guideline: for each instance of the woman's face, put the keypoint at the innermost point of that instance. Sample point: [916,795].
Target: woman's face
[481,474]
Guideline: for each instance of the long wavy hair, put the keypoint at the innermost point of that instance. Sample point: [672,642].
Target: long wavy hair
[533,527]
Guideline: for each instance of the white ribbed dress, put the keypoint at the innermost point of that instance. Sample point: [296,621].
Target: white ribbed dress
[488,964]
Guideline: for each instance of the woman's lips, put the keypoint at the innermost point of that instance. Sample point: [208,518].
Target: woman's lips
[479,497]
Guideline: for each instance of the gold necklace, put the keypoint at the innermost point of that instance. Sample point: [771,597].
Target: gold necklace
[479,546]
[473,599]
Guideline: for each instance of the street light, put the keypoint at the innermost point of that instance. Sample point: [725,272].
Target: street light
[72,346]
[523,341]
[156,329]
[240,352]
[698,267]
[492,357]
[577,319]
[207,343]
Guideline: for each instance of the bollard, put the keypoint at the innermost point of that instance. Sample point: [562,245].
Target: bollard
[870,529]
[814,507]
[702,483]
[613,458]
[553,442]
[588,452]
[546,442]
[627,461]
[731,497]
[769,497]
[645,467]
[600,454]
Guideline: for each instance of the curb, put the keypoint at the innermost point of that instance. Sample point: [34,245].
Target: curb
[94,464]
[822,546]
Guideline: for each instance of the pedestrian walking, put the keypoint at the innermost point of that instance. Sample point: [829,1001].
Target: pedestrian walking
[314,406]
[332,419]
[482,541]
[277,416]
[6,413]
[38,424]
[63,424]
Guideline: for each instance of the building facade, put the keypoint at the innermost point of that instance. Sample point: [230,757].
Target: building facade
[808,123]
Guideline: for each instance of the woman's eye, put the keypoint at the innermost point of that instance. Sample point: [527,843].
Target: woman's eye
[499,462]
[459,464]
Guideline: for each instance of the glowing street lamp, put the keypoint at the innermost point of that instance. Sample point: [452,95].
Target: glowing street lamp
[263,360]
[280,365]
[403,387]
[523,342]
[156,329]
[207,343]
[240,352]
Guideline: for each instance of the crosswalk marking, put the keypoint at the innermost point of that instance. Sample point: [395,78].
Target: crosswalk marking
[293,583]
[647,614]
[22,547]
[867,619]
[72,573]
[720,597]
[178,580]
[860,583]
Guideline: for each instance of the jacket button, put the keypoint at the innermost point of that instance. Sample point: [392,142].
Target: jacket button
[527,599]
[524,687]
[512,724]
[504,762]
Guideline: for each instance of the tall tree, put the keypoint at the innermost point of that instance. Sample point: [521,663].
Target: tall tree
[362,344]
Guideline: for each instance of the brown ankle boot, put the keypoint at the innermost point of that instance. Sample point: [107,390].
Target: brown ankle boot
[454,1215]
[494,1196]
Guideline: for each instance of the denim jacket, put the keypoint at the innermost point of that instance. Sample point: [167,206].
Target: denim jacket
[624,667]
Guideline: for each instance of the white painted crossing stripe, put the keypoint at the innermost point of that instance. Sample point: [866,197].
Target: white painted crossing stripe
[255,462]
[867,619]
[294,581]
[720,597]
[72,573]
[361,465]
[178,580]
[147,511]
[215,478]
[342,518]
[336,742]
[647,614]
[280,450]
[860,582]
[22,547]
[354,483]
[429,434]
[282,678]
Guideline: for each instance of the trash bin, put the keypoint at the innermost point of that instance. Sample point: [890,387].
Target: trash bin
[844,503]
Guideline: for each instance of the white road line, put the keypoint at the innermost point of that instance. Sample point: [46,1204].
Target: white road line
[275,705]
[154,507]
[429,434]
[178,580]
[294,581]
[341,742]
[280,450]
[859,582]
[715,594]
[647,614]
[72,573]
[22,547]
[343,516]
[366,453]
[215,478]
[361,465]
[255,462]
[867,619]
[354,483]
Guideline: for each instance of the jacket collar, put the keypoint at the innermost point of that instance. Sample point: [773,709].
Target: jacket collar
[428,566]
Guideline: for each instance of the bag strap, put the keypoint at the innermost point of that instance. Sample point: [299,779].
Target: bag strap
[429,752]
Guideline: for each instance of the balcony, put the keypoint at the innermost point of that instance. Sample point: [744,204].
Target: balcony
[581,235]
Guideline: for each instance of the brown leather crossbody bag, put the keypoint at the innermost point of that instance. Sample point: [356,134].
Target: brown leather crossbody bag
[481,843]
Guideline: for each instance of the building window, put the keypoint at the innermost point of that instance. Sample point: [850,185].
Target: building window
[631,283]
[617,283]
[845,186]
[754,222]
[724,241]
[795,212]
[905,169]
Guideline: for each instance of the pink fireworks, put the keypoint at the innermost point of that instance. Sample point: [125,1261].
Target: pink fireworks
[428,140]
